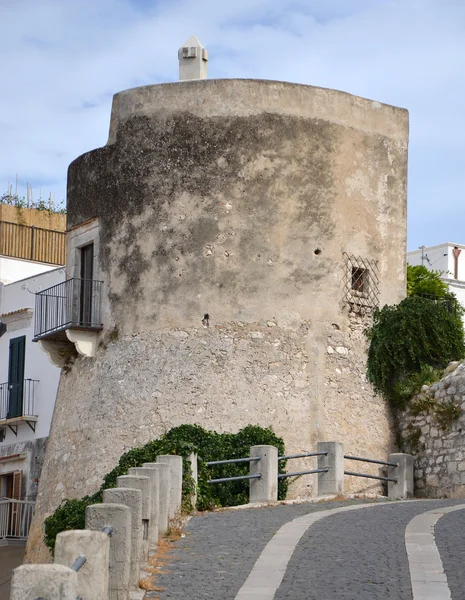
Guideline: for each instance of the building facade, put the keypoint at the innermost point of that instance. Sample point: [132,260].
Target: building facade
[235,236]
[28,386]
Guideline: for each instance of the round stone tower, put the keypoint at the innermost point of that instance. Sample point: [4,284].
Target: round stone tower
[244,231]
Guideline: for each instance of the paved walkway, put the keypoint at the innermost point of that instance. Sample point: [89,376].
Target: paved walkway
[314,552]
[10,558]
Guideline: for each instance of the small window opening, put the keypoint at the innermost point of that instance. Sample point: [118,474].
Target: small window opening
[359,280]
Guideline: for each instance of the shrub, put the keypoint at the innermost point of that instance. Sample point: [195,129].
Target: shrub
[410,340]
[182,440]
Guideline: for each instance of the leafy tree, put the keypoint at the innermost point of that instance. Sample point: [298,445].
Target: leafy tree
[421,281]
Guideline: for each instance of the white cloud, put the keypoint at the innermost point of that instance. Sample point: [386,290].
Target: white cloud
[62,62]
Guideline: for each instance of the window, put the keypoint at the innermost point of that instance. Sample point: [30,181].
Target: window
[360,279]
[360,284]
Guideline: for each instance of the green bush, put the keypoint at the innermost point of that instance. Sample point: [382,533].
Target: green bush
[410,340]
[182,440]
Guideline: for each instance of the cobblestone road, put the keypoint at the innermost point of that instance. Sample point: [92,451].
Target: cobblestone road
[450,534]
[358,555]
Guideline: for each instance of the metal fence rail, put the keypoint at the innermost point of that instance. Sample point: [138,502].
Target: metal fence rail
[233,461]
[372,461]
[284,475]
[289,456]
[367,476]
[32,243]
[15,518]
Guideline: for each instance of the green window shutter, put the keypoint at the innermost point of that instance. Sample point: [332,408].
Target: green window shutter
[16,376]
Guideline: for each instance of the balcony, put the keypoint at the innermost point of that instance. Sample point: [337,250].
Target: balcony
[32,243]
[72,304]
[68,312]
[17,404]
[15,521]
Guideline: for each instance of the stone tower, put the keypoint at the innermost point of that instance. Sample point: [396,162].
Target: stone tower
[243,231]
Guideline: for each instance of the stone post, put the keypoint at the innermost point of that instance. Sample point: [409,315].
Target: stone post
[164,492]
[331,482]
[118,517]
[53,582]
[133,499]
[192,459]
[264,489]
[403,473]
[136,482]
[193,59]
[152,474]
[93,575]
[175,463]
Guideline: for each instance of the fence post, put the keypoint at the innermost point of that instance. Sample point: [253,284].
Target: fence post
[118,517]
[135,482]
[331,482]
[175,463]
[164,493]
[404,475]
[53,582]
[264,489]
[192,459]
[93,575]
[133,499]
[152,474]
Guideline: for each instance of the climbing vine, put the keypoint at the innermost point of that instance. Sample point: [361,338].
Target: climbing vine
[183,440]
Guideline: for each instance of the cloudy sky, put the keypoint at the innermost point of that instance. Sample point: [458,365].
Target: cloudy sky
[62,60]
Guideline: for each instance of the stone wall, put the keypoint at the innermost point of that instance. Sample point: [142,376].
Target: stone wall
[436,438]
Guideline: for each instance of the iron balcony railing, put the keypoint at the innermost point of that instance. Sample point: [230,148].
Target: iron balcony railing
[15,519]
[17,402]
[32,243]
[72,304]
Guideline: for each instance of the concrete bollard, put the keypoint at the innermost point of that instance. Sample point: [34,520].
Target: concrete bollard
[331,482]
[192,459]
[164,492]
[53,582]
[133,499]
[118,517]
[152,474]
[94,573]
[404,475]
[175,463]
[264,489]
[137,482]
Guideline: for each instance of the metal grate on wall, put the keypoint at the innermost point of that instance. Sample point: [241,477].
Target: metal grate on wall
[360,284]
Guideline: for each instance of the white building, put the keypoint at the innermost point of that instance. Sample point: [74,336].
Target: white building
[448,258]
[28,385]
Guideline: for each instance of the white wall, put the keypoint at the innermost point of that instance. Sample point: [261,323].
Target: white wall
[13,269]
[441,258]
[13,297]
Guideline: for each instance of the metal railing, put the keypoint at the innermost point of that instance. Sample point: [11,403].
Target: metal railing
[24,407]
[373,461]
[304,455]
[74,303]
[232,461]
[32,243]
[15,518]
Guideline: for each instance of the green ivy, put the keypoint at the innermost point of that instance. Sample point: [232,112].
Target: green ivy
[182,440]
[410,340]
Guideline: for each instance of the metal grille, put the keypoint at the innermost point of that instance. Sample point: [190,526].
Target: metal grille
[361,284]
